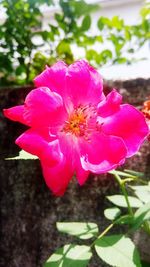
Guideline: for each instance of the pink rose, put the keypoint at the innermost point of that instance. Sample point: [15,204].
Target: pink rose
[74,128]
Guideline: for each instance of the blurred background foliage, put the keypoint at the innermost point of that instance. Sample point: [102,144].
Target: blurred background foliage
[22,58]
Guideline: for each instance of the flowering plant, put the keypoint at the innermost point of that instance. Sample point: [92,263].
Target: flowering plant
[74,127]
[68,116]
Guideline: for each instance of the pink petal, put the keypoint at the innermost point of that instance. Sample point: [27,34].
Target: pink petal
[48,152]
[57,178]
[102,153]
[69,147]
[53,77]
[110,104]
[130,125]
[43,107]
[84,84]
[15,114]
[81,174]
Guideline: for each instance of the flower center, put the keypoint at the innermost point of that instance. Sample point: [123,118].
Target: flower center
[76,124]
[80,121]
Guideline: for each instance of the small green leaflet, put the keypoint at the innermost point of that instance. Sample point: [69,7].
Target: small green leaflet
[70,256]
[120,173]
[125,219]
[142,192]
[117,250]
[86,23]
[140,188]
[112,213]
[141,215]
[119,200]
[144,196]
[138,174]
[23,155]
[78,229]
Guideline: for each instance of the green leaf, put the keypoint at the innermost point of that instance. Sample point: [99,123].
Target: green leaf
[117,23]
[20,69]
[70,256]
[23,155]
[118,250]
[80,7]
[86,23]
[99,38]
[145,264]
[141,188]
[142,192]
[102,22]
[120,60]
[144,196]
[119,200]
[81,230]
[91,54]
[112,213]
[63,47]
[122,173]
[125,219]
[141,215]
[104,56]
[139,174]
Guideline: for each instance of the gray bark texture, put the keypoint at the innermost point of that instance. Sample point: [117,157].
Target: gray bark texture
[29,211]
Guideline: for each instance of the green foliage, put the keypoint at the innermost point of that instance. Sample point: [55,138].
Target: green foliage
[117,250]
[119,200]
[22,57]
[70,256]
[142,192]
[112,213]
[141,215]
[23,155]
[86,23]
[80,230]
[16,39]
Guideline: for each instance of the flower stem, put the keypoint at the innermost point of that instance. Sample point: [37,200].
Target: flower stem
[146,226]
[103,233]
[122,185]
[106,230]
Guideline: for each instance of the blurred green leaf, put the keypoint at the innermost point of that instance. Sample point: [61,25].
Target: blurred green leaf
[117,23]
[112,213]
[125,219]
[103,22]
[78,229]
[141,215]
[138,174]
[63,47]
[119,200]
[91,54]
[86,23]
[118,250]
[144,196]
[23,155]
[122,173]
[104,56]
[70,256]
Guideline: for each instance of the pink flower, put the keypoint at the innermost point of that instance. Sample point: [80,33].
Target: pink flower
[74,128]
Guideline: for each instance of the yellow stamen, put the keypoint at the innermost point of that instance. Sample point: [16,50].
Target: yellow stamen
[76,124]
